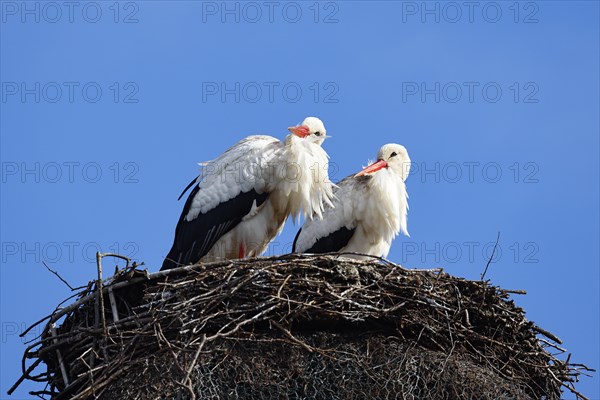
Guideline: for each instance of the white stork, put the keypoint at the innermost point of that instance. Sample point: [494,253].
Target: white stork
[369,210]
[241,199]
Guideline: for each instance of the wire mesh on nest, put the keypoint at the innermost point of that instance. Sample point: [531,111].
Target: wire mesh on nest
[295,327]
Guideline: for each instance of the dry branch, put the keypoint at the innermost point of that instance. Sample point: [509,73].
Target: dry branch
[322,327]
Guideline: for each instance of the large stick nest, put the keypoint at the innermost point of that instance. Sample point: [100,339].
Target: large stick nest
[295,327]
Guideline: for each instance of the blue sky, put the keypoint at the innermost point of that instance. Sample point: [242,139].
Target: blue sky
[107,107]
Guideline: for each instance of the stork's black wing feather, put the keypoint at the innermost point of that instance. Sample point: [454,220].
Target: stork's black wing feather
[331,243]
[296,240]
[187,187]
[194,239]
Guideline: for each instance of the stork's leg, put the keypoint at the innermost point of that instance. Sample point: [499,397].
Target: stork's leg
[242,250]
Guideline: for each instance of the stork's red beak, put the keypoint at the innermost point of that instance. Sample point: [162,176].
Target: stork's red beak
[300,130]
[376,166]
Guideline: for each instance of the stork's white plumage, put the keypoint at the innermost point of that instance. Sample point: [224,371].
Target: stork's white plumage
[241,199]
[369,210]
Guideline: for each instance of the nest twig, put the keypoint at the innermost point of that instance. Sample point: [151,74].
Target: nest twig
[297,326]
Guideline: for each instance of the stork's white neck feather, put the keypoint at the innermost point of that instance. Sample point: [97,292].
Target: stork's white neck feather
[385,210]
[303,183]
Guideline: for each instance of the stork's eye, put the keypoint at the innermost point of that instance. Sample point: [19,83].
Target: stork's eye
[394,154]
[318,133]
